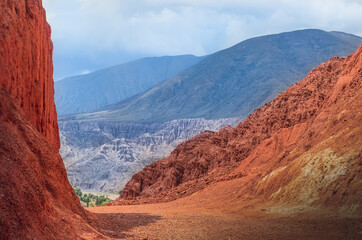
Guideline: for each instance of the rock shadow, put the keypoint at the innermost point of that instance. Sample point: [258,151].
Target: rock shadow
[116,225]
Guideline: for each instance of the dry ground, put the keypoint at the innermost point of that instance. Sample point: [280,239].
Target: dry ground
[179,220]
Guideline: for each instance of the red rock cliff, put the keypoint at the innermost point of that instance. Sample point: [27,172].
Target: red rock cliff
[37,201]
[26,68]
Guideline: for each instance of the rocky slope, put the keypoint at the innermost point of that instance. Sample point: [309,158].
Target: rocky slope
[103,156]
[91,91]
[235,81]
[26,63]
[301,149]
[32,174]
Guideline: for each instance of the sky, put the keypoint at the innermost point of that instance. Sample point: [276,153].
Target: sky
[93,34]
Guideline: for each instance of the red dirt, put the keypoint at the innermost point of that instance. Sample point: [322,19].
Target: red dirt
[36,197]
[183,219]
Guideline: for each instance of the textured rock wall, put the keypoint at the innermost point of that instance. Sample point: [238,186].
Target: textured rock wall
[37,201]
[26,68]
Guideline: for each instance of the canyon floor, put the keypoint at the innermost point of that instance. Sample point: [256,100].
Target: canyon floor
[188,219]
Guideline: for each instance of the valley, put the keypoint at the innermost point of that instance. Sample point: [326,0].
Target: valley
[262,140]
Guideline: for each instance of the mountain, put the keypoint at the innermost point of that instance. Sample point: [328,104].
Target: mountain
[98,89]
[116,149]
[235,81]
[103,156]
[300,152]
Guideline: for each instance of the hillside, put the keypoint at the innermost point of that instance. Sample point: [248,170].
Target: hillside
[232,82]
[98,89]
[300,152]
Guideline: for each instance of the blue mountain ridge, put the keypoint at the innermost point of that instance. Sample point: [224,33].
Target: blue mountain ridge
[98,89]
[232,82]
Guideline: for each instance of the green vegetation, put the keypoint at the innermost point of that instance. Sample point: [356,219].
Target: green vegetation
[91,199]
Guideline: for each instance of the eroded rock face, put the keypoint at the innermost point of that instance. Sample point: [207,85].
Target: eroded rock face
[103,156]
[26,67]
[272,140]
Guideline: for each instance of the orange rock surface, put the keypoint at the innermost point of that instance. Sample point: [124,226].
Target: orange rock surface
[36,197]
[37,201]
[26,67]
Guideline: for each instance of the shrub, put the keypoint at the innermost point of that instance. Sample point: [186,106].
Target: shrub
[102,199]
[78,192]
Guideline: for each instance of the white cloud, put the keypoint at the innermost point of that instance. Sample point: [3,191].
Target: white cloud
[100,30]
[84,72]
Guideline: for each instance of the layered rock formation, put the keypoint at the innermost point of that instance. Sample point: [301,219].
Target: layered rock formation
[26,65]
[304,147]
[103,156]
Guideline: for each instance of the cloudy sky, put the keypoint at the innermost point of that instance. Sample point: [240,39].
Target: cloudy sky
[93,34]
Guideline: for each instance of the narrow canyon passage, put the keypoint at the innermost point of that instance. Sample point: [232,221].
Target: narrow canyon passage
[292,169]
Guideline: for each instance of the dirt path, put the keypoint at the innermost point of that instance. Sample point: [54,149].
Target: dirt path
[176,220]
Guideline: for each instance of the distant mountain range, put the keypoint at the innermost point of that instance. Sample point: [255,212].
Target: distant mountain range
[229,83]
[235,81]
[98,89]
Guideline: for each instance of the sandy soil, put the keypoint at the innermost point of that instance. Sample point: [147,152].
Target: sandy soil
[178,220]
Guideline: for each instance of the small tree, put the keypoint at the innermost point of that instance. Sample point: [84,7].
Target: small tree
[87,201]
[91,196]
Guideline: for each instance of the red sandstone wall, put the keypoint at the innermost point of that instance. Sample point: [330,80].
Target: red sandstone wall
[26,68]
